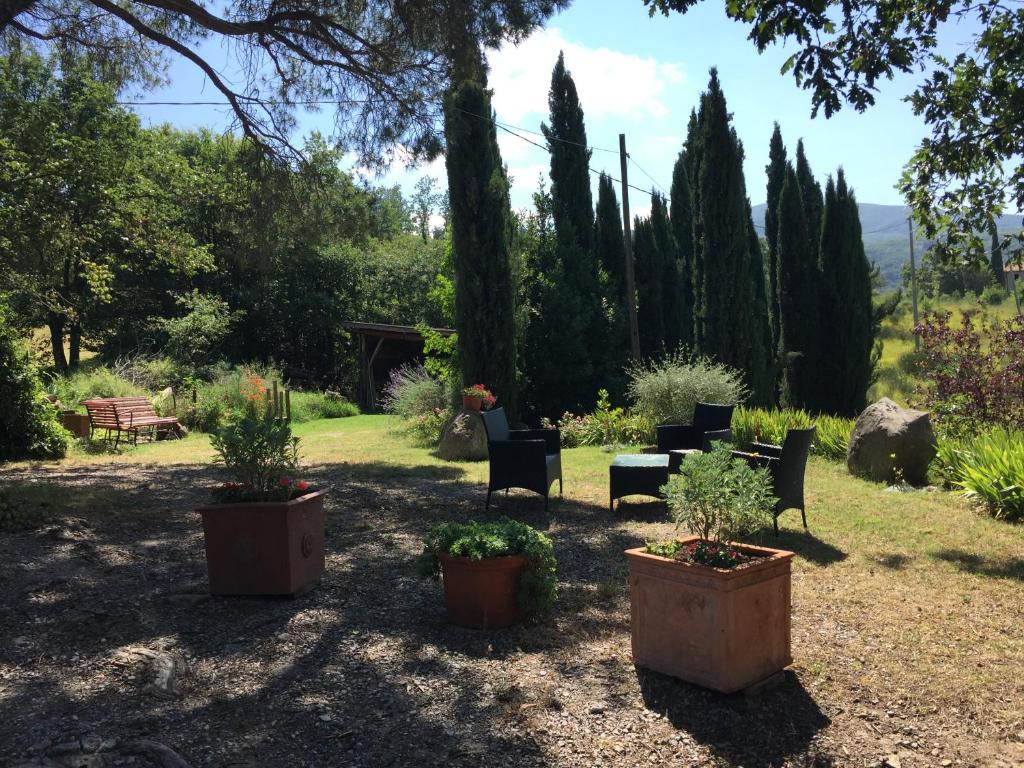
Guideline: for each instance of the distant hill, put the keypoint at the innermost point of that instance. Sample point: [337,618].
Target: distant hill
[885,235]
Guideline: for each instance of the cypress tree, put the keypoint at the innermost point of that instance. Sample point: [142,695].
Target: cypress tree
[681,217]
[810,192]
[996,262]
[730,328]
[776,170]
[583,331]
[692,154]
[846,317]
[664,242]
[650,297]
[762,368]
[611,256]
[480,222]
[798,292]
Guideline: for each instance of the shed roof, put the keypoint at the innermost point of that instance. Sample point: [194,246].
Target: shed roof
[388,331]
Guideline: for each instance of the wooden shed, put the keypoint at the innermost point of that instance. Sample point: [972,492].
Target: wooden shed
[382,348]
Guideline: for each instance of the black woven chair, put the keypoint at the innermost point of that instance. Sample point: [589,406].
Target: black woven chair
[521,458]
[786,463]
[710,423]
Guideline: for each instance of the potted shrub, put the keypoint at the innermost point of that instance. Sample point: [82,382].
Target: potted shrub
[495,574]
[476,397]
[704,608]
[265,532]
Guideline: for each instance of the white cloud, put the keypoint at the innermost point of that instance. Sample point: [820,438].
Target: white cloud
[609,82]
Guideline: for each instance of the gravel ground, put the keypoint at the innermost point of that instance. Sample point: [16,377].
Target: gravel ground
[365,671]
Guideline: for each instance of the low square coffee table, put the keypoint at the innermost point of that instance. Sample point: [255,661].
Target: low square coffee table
[637,474]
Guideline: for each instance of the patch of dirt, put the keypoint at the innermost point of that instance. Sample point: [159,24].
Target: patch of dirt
[113,653]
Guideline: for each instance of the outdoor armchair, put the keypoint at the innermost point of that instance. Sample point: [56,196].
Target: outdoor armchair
[521,458]
[710,422]
[786,463]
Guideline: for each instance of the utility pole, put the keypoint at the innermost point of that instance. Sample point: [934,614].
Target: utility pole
[913,280]
[627,236]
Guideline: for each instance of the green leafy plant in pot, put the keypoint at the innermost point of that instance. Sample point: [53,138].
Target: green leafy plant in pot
[705,608]
[495,574]
[265,532]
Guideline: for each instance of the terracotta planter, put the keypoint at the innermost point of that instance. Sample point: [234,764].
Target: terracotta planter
[722,629]
[471,403]
[75,423]
[265,548]
[483,594]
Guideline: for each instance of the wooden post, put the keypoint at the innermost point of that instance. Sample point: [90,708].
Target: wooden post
[627,238]
[913,281]
[277,410]
[287,404]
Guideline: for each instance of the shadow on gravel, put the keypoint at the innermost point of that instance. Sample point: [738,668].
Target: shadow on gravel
[759,731]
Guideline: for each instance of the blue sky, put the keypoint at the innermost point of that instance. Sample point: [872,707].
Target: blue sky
[641,76]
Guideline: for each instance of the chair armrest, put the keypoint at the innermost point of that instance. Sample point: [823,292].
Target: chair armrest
[767,449]
[674,437]
[516,451]
[551,437]
[756,459]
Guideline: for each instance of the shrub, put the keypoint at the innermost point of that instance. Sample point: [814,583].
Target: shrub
[194,340]
[989,469]
[28,423]
[96,382]
[481,541]
[666,391]
[720,499]
[758,425]
[258,450]
[972,375]
[993,295]
[411,392]
[218,401]
[605,426]
[426,429]
[309,406]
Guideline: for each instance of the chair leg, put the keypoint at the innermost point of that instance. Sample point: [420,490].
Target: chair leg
[487,505]
[803,514]
[506,491]
[559,487]
[775,522]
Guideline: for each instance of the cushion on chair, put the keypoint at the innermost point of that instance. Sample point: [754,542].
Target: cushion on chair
[641,460]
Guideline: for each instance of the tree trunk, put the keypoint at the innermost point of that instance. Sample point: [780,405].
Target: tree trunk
[55,322]
[75,343]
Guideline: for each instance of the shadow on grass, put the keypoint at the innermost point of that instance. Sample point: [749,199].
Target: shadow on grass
[763,730]
[805,544]
[895,561]
[999,568]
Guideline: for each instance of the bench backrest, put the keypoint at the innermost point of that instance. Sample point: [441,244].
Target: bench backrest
[118,412]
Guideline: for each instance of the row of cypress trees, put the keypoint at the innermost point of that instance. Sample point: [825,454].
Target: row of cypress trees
[795,316]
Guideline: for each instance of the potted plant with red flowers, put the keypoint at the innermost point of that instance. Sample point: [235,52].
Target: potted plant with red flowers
[704,608]
[265,530]
[478,397]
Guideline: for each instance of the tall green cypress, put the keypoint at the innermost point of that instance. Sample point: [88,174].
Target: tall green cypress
[798,292]
[776,170]
[996,262]
[681,216]
[810,192]
[611,256]
[847,331]
[665,243]
[650,297]
[579,342]
[762,368]
[480,221]
[692,154]
[730,328]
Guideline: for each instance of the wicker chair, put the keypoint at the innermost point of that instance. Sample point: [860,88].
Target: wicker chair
[786,463]
[710,423]
[521,458]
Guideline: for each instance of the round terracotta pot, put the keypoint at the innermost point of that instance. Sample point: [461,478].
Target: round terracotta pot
[483,594]
[471,403]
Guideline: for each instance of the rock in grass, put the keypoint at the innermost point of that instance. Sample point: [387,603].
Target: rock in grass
[890,444]
[464,438]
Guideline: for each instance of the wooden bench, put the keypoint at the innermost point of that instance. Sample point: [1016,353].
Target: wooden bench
[131,415]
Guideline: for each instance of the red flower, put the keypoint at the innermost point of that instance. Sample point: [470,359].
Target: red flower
[301,485]
[284,482]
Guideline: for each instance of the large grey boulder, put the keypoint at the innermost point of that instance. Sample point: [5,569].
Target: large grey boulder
[887,437]
[464,438]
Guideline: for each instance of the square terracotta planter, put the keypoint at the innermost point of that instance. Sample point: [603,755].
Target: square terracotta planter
[482,594]
[721,629]
[265,548]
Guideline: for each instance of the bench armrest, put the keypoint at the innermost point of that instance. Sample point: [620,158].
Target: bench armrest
[756,459]
[551,437]
[767,449]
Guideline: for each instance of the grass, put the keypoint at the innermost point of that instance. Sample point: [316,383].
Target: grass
[915,596]
[897,334]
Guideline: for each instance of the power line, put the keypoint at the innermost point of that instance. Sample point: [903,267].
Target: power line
[645,173]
